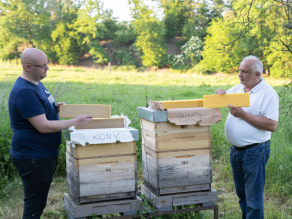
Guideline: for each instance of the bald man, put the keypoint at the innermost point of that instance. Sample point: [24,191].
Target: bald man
[248,130]
[36,131]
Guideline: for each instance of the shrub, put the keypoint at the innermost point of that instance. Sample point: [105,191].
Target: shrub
[190,54]
[7,170]
[124,57]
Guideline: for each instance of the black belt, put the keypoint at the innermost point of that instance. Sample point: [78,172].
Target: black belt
[249,146]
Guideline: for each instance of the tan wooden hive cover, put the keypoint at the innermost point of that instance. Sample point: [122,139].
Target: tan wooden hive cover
[94,110]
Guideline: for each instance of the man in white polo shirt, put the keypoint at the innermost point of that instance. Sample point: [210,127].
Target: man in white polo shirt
[248,130]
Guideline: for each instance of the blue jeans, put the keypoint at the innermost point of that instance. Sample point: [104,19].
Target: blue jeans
[36,175]
[248,168]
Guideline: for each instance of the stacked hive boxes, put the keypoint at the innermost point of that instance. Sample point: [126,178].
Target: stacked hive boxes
[101,171]
[176,158]
[106,168]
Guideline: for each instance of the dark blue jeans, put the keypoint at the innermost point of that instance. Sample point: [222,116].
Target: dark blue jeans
[36,175]
[248,168]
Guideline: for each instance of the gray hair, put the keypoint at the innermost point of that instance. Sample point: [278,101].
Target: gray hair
[257,65]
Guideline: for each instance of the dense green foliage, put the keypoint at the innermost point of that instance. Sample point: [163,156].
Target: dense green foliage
[256,29]
[229,30]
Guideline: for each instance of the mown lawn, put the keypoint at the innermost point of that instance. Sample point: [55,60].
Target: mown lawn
[127,91]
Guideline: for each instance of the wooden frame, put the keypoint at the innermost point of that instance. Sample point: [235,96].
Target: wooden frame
[94,110]
[102,124]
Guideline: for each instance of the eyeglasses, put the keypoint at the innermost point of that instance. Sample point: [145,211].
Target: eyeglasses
[40,66]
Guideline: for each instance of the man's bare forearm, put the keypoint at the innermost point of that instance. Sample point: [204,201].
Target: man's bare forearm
[260,122]
[57,125]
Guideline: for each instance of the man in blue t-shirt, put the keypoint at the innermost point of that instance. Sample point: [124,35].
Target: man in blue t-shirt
[36,131]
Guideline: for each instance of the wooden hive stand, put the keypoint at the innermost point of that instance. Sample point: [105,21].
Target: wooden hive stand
[81,211]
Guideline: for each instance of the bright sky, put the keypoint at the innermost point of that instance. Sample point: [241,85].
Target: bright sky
[121,8]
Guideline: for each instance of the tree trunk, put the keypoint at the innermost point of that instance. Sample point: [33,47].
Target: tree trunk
[109,67]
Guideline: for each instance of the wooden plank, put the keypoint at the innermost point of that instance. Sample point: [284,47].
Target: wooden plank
[179,199]
[177,189]
[180,141]
[95,198]
[149,163]
[94,110]
[167,128]
[70,149]
[222,100]
[98,208]
[183,168]
[116,206]
[101,176]
[180,189]
[100,150]
[176,171]
[75,209]
[157,201]
[195,198]
[102,124]
[72,176]
[182,104]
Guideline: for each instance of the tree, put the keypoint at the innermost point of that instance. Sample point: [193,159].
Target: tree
[175,17]
[21,22]
[262,26]
[150,32]
[81,32]
[223,49]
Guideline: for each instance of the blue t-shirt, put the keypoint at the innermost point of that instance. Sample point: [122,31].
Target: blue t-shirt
[28,100]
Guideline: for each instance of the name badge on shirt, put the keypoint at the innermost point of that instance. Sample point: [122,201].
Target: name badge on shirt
[50,97]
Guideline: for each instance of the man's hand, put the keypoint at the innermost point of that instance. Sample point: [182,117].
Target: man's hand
[220,91]
[236,111]
[83,119]
[58,106]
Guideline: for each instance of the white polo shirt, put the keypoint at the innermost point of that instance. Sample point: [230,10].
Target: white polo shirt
[264,101]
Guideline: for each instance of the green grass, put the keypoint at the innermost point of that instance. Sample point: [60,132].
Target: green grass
[127,91]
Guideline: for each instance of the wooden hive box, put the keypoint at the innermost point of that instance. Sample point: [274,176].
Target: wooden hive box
[176,158]
[100,172]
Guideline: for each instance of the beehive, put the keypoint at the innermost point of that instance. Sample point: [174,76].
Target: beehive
[101,171]
[176,158]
